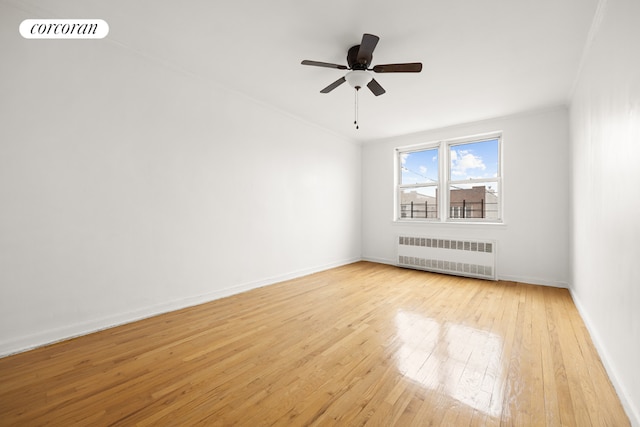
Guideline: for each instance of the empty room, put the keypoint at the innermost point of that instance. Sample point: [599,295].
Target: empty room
[409,213]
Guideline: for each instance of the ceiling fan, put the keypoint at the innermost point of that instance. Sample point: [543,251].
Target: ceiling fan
[359,59]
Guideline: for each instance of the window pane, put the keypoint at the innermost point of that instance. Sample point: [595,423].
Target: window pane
[421,202]
[474,160]
[477,200]
[419,167]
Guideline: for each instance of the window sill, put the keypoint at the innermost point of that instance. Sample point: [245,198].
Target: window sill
[439,223]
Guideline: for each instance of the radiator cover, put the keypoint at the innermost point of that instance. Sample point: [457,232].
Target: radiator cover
[462,257]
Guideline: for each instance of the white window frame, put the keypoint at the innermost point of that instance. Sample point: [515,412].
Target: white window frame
[445,212]
[399,186]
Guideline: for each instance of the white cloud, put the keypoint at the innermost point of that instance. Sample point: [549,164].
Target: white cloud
[403,158]
[423,170]
[463,161]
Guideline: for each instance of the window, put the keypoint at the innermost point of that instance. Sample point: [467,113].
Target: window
[418,187]
[474,178]
[466,172]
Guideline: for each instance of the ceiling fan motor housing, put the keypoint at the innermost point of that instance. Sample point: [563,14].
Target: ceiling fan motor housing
[352,59]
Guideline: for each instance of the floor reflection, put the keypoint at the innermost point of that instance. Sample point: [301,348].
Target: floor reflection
[460,361]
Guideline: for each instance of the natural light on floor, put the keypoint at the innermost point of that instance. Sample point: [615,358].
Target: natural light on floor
[464,363]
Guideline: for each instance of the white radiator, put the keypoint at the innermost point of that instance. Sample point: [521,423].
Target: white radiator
[462,257]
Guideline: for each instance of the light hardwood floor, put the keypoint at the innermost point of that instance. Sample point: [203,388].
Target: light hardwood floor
[361,344]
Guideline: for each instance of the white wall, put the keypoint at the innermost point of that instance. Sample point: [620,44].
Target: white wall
[129,188]
[605,127]
[533,243]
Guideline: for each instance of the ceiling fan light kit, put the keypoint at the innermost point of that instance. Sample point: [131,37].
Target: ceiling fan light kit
[358,78]
[359,58]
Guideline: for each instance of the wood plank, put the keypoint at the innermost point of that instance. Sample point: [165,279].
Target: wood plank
[360,344]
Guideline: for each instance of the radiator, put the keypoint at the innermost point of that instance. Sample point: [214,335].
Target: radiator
[462,257]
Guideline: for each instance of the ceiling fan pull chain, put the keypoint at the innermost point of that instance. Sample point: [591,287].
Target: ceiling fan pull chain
[355,122]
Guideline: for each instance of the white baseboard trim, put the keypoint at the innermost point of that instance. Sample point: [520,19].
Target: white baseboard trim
[534,281]
[508,278]
[51,336]
[379,260]
[632,411]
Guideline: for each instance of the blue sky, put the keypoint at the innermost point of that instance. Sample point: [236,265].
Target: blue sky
[420,166]
[468,161]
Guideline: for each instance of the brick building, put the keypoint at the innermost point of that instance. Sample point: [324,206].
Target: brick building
[474,202]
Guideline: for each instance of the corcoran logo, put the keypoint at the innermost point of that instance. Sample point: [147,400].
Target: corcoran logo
[64,29]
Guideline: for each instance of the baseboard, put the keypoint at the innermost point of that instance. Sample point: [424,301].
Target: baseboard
[632,412]
[519,279]
[380,260]
[51,336]
[534,281]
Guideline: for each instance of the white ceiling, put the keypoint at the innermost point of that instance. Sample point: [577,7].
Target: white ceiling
[481,58]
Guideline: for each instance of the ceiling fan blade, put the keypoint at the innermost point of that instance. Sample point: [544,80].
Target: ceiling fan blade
[412,67]
[367,45]
[333,85]
[324,64]
[375,87]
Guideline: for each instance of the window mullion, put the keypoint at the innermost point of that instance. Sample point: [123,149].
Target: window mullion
[444,181]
